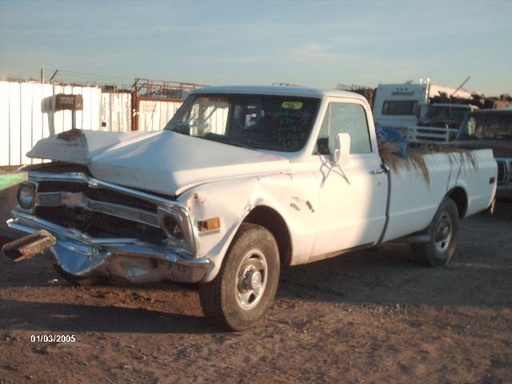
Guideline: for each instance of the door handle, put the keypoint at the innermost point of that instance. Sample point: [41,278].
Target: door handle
[384,168]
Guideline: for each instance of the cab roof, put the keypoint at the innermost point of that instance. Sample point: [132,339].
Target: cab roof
[277,90]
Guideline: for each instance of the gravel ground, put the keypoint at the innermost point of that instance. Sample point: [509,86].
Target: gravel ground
[367,317]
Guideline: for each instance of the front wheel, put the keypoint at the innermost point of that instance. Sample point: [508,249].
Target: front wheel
[244,289]
[442,233]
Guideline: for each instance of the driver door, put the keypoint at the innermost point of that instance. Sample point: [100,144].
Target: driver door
[352,197]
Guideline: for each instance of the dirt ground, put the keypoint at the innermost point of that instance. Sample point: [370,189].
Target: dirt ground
[369,317]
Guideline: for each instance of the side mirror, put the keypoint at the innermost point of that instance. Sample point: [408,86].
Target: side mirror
[342,149]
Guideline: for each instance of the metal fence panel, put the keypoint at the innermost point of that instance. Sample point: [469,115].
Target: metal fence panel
[116,112]
[27,114]
[4,124]
[154,114]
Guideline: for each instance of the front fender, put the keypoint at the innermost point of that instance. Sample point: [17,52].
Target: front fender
[229,202]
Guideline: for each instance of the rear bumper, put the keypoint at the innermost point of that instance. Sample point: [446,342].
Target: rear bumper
[133,260]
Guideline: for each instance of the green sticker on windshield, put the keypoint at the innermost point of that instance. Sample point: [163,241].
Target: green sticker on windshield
[292,105]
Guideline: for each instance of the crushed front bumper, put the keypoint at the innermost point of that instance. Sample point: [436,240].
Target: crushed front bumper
[129,259]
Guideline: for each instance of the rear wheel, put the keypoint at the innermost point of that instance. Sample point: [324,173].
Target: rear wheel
[244,289]
[442,232]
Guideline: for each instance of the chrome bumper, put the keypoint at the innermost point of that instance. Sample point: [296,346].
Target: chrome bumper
[130,259]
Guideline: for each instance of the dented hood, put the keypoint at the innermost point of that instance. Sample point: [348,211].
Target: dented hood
[163,161]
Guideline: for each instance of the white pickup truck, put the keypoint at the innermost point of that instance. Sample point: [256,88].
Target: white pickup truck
[242,181]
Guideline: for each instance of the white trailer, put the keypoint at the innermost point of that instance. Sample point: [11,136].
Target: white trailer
[399,106]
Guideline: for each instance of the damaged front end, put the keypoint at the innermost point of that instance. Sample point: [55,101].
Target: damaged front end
[93,228]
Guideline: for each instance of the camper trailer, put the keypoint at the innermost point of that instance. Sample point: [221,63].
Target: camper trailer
[399,106]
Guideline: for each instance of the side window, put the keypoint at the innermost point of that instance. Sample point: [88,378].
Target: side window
[345,118]
[399,107]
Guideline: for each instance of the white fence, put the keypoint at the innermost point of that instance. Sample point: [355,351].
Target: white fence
[116,112]
[153,115]
[25,115]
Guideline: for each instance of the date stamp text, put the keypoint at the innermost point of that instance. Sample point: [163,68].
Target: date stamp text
[48,338]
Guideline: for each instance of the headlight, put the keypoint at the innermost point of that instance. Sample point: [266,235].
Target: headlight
[175,222]
[26,196]
[171,227]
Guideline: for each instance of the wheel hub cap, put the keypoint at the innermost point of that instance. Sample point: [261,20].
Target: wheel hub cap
[443,235]
[253,280]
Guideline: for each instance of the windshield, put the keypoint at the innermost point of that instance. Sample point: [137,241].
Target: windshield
[495,126]
[280,123]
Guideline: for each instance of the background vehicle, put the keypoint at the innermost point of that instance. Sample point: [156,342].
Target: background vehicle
[491,128]
[399,106]
[440,124]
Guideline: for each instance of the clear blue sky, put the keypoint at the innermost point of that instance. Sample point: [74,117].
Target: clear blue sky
[317,43]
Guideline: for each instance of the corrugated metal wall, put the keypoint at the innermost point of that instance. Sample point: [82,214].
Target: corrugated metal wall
[154,114]
[26,115]
[116,112]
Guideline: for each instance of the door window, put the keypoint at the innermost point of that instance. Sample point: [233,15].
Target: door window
[345,118]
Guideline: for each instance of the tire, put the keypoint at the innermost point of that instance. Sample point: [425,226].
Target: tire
[443,235]
[244,289]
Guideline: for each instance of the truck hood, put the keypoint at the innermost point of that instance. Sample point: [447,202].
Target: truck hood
[164,161]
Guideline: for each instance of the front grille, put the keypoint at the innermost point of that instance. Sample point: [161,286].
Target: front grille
[99,225]
[97,194]
[113,213]
[429,135]
[503,171]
